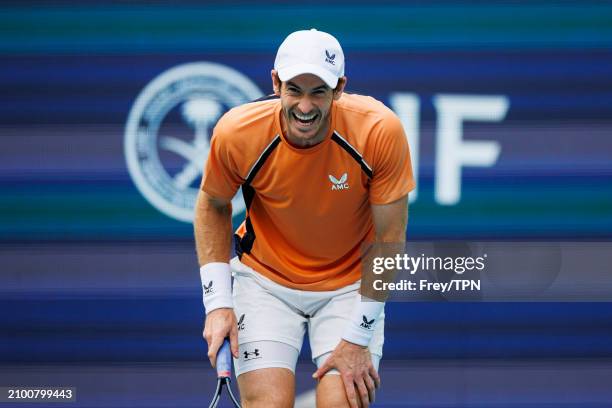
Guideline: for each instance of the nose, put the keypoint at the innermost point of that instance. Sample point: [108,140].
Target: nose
[305,105]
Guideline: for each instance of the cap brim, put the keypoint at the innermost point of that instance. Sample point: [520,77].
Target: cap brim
[287,73]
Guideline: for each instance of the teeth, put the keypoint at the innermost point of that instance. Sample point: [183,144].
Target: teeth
[305,118]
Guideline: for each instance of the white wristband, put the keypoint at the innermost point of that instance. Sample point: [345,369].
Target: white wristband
[364,318]
[216,286]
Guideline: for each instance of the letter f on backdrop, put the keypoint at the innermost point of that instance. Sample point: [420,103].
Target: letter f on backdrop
[452,152]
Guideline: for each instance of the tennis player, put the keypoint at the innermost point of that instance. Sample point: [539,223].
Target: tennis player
[322,172]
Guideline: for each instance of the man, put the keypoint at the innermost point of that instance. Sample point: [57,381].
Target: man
[322,172]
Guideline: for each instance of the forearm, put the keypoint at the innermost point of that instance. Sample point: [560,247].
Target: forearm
[390,227]
[213,229]
[391,239]
[390,222]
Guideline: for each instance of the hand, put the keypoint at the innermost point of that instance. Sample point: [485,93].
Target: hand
[219,324]
[354,363]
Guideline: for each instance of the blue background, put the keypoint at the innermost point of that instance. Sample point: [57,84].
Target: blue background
[93,274]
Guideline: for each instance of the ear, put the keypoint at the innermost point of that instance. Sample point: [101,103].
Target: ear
[339,88]
[276,82]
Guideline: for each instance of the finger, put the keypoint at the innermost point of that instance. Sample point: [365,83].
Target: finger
[374,374]
[213,349]
[204,333]
[234,341]
[349,387]
[325,367]
[371,386]
[364,395]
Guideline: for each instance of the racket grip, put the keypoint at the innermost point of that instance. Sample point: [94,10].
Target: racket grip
[224,360]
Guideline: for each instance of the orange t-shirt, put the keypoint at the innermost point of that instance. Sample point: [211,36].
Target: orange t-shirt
[308,209]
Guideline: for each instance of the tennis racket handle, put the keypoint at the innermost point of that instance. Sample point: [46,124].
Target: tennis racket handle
[224,360]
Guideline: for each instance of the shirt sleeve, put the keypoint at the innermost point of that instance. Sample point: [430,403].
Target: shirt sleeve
[221,175]
[392,168]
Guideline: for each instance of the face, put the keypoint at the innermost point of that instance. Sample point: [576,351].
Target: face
[306,104]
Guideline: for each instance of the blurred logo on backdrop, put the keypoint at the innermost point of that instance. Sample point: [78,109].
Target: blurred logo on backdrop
[168,131]
[167,136]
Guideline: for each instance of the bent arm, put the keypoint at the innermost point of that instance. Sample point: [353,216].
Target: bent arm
[213,235]
[352,357]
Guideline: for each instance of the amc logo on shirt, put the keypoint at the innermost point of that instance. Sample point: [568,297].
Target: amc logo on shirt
[340,184]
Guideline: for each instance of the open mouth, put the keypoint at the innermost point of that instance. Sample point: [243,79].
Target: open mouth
[304,120]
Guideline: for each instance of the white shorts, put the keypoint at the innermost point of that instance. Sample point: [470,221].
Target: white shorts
[272,321]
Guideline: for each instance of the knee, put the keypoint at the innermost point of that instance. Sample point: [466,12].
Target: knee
[265,399]
[269,387]
[332,394]
[332,401]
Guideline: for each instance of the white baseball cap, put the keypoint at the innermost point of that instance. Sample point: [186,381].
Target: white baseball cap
[310,52]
